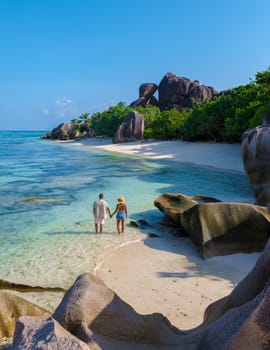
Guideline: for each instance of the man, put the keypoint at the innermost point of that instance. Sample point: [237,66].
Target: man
[100,209]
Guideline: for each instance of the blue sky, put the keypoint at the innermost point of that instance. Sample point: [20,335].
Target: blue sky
[61,58]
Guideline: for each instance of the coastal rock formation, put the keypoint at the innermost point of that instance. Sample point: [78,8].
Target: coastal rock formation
[255,149]
[34,333]
[218,228]
[64,131]
[92,316]
[11,308]
[26,288]
[100,310]
[173,91]
[131,129]
[146,95]
[247,290]
[174,205]
[241,320]
[95,315]
[182,92]
[147,90]
[252,331]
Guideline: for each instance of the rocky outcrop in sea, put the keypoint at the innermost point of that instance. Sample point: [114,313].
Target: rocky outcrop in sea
[64,131]
[218,228]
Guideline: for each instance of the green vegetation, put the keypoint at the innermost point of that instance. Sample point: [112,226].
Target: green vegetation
[85,124]
[165,125]
[227,116]
[222,119]
[260,114]
[107,122]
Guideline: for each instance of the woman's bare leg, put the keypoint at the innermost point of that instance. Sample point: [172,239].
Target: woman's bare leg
[123,225]
[118,226]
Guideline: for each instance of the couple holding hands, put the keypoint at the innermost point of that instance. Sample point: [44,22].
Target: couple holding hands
[100,209]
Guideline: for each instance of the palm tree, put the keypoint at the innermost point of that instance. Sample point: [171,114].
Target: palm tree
[76,121]
[85,116]
[86,121]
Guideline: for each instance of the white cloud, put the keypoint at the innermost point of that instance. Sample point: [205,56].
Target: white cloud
[62,110]
[45,111]
[63,102]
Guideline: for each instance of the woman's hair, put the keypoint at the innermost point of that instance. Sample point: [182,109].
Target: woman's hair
[121,199]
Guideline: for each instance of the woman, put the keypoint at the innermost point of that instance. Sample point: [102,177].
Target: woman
[121,216]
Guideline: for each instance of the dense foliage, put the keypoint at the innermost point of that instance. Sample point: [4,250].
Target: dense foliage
[161,125]
[107,122]
[224,118]
[227,116]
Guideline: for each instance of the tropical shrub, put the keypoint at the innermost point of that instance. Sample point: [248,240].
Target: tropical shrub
[168,125]
[261,113]
[107,122]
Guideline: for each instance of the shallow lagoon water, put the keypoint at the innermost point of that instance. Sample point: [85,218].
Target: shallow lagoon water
[47,189]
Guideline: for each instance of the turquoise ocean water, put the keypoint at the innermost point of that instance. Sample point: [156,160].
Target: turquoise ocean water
[47,189]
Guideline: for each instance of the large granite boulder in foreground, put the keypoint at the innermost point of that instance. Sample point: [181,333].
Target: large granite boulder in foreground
[11,308]
[174,205]
[246,290]
[241,320]
[93,314]
[131,129]
[218,228]
[89,306]
[241,328]
[44,334]
[255,149]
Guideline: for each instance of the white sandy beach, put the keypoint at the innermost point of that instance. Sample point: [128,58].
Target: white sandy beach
[168,275]
[218,155]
